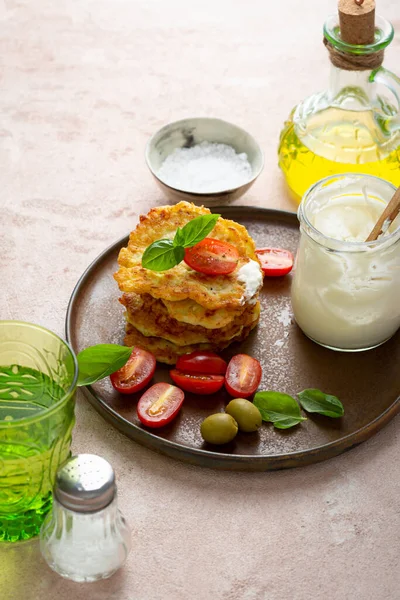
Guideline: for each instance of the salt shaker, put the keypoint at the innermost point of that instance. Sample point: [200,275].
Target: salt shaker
[85,537]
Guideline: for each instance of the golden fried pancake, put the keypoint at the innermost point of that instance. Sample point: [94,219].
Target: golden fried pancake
[167,352]
[181,282]
[164,351]
[151,318]
[177,311]
[188,311]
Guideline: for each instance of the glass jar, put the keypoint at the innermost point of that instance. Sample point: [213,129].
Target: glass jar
[345,292]
[351,126]
[85,537]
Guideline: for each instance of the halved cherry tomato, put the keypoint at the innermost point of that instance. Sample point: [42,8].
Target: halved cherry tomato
[136,373]
[243,376]
[275,262]
[198,383]
[212,257]
[159,405]
[202,362]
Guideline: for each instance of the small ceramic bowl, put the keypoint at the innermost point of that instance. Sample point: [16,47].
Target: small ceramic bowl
[189,132]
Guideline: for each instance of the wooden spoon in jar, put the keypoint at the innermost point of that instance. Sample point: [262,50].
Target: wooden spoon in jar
[387,217]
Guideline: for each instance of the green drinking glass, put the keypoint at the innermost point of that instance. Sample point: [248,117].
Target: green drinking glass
[38,375]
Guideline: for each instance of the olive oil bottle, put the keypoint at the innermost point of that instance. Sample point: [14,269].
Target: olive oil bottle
[349,127]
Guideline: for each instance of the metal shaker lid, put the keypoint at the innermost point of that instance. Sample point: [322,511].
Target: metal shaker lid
[85,483]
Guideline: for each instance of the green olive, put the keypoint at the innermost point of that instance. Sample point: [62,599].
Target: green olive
[247,416]
[219,428]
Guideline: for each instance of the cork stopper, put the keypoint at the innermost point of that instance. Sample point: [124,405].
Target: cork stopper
[357,21]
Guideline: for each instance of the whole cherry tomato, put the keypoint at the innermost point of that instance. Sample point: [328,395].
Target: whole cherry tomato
[202,361]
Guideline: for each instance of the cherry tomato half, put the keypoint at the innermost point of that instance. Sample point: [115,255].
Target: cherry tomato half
[212,257]
[198,383]
[159,405]
[202,362]
[136,373]
[243,376]
[275,262]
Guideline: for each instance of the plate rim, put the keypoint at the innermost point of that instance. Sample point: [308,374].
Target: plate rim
[212,459]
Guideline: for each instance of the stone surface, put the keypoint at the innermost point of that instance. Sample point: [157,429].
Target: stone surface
[84,84]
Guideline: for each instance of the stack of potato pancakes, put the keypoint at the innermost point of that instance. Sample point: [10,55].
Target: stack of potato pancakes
[180,310]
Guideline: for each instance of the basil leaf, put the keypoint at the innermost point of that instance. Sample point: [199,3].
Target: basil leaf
[179,238]
[196,230]
[280,409]
[165,254]
[179,252]
[315,401]
[162,255]
[96,362]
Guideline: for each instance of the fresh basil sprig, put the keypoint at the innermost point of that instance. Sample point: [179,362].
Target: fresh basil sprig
[162,255]
[165,254]
[195,230]
[280,409]
[96,362]
[315,401]
[283,411]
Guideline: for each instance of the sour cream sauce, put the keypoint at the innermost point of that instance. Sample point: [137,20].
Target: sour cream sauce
[251,276]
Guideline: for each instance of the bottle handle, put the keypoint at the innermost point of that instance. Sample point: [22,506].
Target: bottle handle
[389,80]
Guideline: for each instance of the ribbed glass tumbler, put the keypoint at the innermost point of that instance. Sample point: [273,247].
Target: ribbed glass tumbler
[38,375]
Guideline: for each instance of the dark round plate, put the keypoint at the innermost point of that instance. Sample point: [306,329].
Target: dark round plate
[368,383]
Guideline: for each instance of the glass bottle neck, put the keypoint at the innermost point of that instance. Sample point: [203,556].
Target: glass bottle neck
[351,90]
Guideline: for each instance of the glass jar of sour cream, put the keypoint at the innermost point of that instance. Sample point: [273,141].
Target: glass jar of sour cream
[345,291]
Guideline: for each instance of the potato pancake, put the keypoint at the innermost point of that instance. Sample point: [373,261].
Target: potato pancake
[149,316]
[167,352]
[181,282]
[177,311]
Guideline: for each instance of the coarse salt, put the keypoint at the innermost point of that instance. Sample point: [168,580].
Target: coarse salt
[205,168]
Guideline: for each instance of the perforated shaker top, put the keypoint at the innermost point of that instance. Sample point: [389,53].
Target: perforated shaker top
[85,483]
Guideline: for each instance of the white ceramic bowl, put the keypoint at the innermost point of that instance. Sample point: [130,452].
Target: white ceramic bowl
[189,132]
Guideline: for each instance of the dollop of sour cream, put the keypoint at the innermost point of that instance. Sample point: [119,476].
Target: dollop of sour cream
[251,276]
[348,218]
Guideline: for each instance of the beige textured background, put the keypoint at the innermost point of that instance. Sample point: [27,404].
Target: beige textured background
[84,83]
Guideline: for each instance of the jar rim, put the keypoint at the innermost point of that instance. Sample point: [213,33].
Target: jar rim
[333,243]
[384,33]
